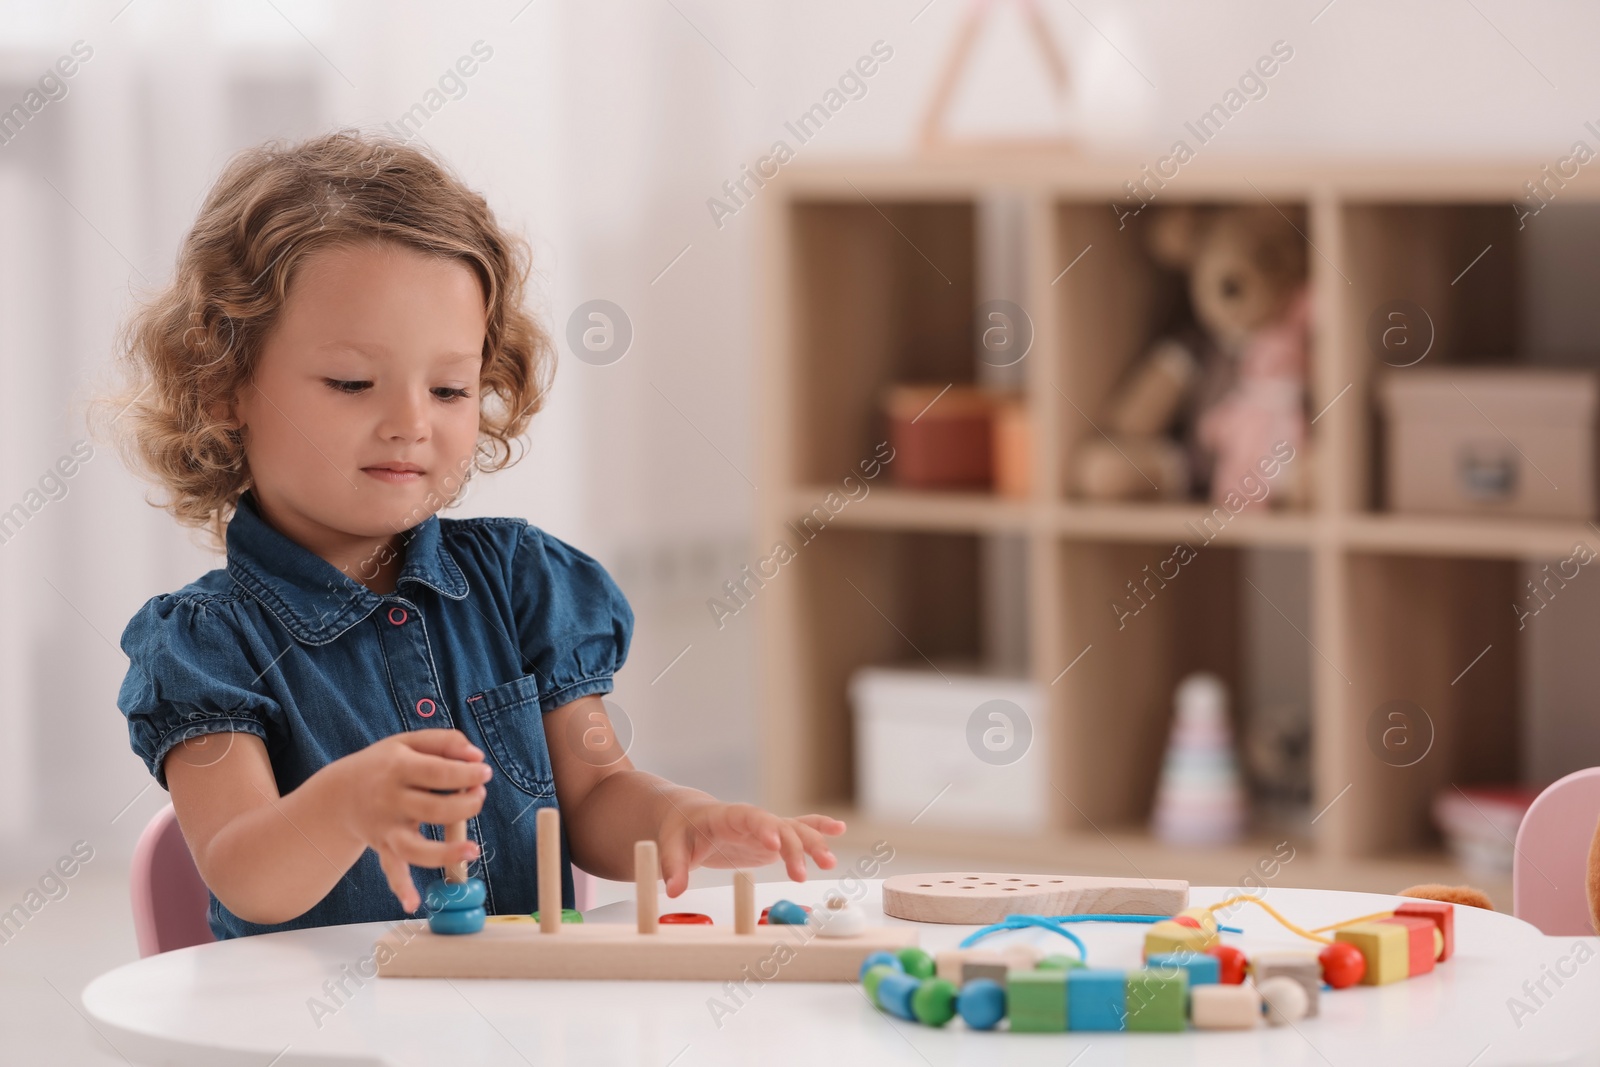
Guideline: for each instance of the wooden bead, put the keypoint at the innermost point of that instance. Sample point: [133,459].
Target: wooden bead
[1420,932]
[934,1002]
[685,918]
[982,1004]
[876,958]
[838,922]
[916,962]
[1169,936]
[463,921]
[1441,914]
[785,913]
[568,915]
[1285,999]
[895,991]
[1036,1001]
[1156,1000]
[1342,964]
[454,896]
[1202,968]
[1303,967]
[875,974]
[1224,1007]
[1097,999]
[1386,947]
[1231,964]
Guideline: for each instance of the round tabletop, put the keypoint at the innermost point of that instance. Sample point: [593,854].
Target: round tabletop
[1509,995]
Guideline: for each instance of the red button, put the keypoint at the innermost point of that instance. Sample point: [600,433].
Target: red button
[402,617]
[431,708]
[686,918]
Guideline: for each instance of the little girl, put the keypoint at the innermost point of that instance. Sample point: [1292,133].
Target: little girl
[343,345]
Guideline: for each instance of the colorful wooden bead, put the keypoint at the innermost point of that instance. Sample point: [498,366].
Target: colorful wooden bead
[1225,1007]
[934,1002]
[1201,967]
[455,896]
[1201,918]
[462,921]
[568,915]
[1303,967]
[1420,932]
[1342,964]
[1037,1001]
[1385,946]
[1060,963]
[685,918]
[874,974]
[982,1004]
[1285,999]
[1169,936]
[916,962]
[895,991]
[786,913]
[1441,914]
[843,921]
[1231,964]
[876,958]
[1097,999]
[1156,1000]
[994,970]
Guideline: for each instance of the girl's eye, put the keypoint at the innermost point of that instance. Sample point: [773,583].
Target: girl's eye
[346,387]
[445,392]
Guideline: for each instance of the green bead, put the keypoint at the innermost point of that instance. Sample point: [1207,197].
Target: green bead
[934,1002]
[1156,1000]
[918,964]
[1036,1000]
[568,915]
[1060,963]
[874,975]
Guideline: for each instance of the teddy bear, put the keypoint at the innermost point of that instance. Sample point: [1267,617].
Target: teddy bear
[1235,384]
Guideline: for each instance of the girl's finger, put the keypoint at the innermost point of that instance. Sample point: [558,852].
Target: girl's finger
[823,824]
[421,852]
[419,805]
[398,874]
[674,851]
[452,744]
[426,771]
[814,844]
[794,853]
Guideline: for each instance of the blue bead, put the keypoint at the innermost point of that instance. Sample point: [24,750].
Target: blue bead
[1203,969]
[454,896]
[894,994]
[982,1003]
[786,913]
[466,921]
[1097,999]
[878,957]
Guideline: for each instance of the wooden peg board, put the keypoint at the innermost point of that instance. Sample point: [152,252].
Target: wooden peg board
[515,947]
[976,898]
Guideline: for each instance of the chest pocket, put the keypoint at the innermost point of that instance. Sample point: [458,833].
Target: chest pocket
[513,729]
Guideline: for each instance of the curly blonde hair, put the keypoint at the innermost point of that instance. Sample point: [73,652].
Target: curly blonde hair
[188,351]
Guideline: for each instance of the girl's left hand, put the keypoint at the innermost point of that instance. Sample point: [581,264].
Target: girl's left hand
[740,836]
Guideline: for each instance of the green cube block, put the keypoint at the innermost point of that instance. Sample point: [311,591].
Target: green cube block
[1156,1000]
[1037,1001]
[1059,963]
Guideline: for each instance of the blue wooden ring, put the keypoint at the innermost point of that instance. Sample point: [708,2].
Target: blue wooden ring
[786,913]
[466,921]
[454,896]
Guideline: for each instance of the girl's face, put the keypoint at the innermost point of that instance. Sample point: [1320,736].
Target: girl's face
[365,398]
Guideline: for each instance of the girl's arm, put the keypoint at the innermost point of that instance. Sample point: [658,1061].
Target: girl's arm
[607,804]
[270,858]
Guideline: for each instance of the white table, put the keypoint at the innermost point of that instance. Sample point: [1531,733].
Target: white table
[247,1001]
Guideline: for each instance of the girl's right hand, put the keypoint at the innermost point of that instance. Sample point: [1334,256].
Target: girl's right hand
[389,787]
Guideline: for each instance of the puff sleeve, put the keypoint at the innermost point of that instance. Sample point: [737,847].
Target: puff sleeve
[573,623]
[191,672]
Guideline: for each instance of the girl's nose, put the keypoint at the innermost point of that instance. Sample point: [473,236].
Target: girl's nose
[406,417]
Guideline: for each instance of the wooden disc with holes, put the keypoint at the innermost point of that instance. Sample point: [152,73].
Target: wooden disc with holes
[974,898]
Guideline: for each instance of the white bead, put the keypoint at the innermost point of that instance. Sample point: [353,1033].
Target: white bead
[1286,1000]
[838,922]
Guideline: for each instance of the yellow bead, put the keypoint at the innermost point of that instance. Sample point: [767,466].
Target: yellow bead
[1386,947]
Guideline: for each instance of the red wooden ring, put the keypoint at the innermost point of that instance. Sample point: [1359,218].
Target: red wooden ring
[685,918]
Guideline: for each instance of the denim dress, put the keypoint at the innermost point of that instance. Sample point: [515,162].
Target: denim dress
[492,623]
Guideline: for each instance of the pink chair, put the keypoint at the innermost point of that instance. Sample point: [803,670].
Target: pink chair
[1550,871]
[170,899]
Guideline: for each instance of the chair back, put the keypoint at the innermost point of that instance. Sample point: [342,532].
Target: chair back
[1549,872]
[169,898]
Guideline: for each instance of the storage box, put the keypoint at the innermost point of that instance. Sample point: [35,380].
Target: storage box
[958,749]
[1505,441]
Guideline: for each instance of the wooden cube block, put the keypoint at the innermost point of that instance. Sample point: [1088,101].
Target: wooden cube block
[1097,999]
[1419,934]
[1303,967]
[1036,1001]
[1156,1000]
[972,970]
[1386,946]
[951,962]
[1441,914]
[1202,969]
[1224,1007]
[1168,936]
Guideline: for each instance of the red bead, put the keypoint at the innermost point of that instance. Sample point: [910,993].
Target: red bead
[1343,965]
[1231,964]
[1187,920]
[686,918]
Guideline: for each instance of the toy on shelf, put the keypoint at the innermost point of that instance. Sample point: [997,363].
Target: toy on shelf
[973,897]
[1200,799]
[787,947]
[1189,977]
[1238,383]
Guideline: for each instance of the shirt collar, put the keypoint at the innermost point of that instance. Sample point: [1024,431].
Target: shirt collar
[316,601]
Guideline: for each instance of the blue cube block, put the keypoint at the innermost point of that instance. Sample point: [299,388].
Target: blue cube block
[1203,969]
[1097,999]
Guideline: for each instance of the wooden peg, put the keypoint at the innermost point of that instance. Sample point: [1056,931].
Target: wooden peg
[744,903]
[646,871]
[547,831]
[455,833]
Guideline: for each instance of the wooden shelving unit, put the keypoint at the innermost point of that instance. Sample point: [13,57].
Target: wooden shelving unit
[871,279]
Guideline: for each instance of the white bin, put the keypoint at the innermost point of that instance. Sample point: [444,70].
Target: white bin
[957,749]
